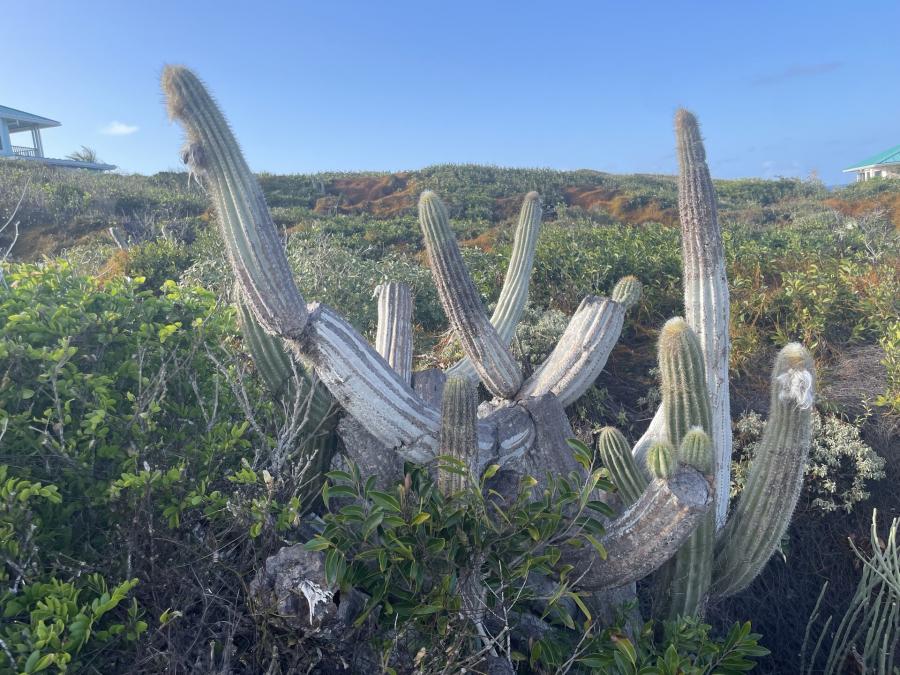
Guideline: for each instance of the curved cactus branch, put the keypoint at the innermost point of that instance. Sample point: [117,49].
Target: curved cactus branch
[581,353]
[393,338]
[514,294]
[706,300]
[765,506]
[252,243]
[646,535]
[480,340]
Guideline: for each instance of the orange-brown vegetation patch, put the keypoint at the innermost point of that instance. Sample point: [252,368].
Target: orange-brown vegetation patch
[888,202]
[486,241]
[380,196]
[35,241]
[621,206]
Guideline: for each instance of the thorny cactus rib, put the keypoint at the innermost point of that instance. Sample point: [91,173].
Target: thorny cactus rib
[251,240]
[661,460]
[459,417]
[393,337]
[514,294]
[480,341]
[767,502]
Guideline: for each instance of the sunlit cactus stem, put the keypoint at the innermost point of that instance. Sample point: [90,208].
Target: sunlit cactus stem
[768,499]
[627,292]
[706,298]
[459,419]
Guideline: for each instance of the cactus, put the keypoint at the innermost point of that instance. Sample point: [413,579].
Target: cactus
[459,416]
[661,460]
[523,429]
[514,294]
[393,339]
[615,454]
[765,506]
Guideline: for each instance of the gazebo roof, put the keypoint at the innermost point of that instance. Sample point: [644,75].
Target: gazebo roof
[891,156]
[19,120]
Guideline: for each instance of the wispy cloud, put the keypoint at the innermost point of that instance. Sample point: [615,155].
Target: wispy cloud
[118,129]
[797,72]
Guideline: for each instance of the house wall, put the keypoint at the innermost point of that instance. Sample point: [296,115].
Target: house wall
[890,171]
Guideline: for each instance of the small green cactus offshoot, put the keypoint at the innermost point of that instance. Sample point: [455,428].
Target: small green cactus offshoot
[661,460]
[627,291]
[615,455]
[459,419]
[696,450]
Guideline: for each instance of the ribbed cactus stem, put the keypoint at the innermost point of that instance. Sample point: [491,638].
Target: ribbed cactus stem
[776,476]
[615,455]
[480,341]
[696,450]
[581,353]
[682,380]
[662,462]
[393,337]
[685,404]
[706,299]
[459,419]
[251,240]
[514,294]
[627,291]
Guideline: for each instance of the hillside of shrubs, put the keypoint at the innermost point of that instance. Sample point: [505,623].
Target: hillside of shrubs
[144,473]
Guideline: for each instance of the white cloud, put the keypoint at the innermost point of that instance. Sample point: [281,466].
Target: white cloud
[118,129]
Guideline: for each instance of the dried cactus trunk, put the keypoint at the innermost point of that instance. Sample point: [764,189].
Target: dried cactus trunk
[765,506]
[645,536]
[393,338]
[480,340]
[514,294]
[706,298]
[459,417]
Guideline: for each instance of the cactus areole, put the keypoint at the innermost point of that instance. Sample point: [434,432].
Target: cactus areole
[667,483]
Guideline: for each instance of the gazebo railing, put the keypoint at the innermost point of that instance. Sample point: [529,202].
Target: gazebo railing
[22,151]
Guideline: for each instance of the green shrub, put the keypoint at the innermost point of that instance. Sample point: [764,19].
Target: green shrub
[840,465]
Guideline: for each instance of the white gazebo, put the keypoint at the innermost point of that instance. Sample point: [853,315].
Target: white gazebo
[20,138]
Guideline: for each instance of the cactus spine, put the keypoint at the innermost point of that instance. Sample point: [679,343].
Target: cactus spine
[514,294]
[765,506]
[480,340]
[615,454]
[459,418]
[661,460]
[627,291]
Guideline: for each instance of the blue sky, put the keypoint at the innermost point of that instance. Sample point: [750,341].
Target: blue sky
[781,88]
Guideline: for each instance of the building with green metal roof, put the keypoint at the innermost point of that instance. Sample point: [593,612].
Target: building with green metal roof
[883,165]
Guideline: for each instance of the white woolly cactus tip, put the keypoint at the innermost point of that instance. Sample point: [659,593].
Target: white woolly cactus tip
[796,382]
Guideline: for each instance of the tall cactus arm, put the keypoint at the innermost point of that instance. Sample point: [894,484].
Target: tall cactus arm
[646,535]
[480,341]
[514,294]
[617,458]
[582,351]
[767,502]
[355,374]
[706,301]
[393,337]
[251,240]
